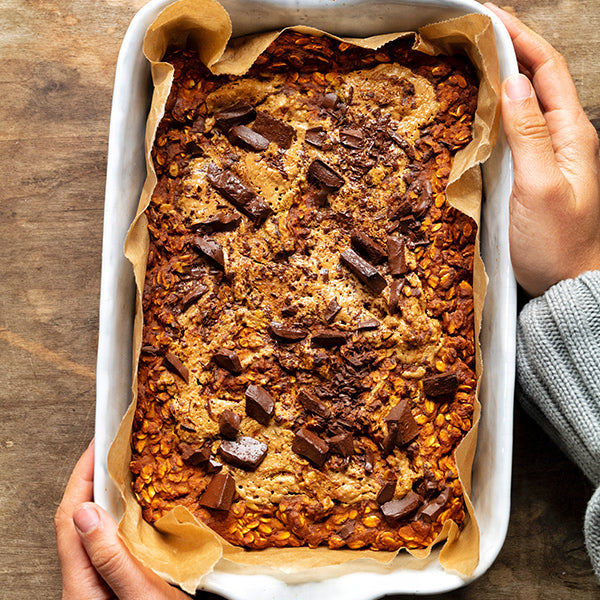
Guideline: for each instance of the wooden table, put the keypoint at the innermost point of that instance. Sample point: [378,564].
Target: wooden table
[56,74]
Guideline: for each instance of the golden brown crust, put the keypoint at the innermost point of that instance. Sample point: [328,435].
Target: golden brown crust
[308,307]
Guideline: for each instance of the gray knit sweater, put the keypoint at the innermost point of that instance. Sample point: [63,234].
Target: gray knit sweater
[558,369]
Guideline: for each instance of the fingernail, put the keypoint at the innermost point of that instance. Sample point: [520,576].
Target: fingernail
[86,519]
[518,87]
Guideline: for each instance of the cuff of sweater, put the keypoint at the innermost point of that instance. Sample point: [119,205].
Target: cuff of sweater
[592,531]
[558,366]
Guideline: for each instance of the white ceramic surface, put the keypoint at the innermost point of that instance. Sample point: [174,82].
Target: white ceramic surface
[125,177]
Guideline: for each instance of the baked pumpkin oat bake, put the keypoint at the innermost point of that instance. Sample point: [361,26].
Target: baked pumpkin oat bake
[308,357]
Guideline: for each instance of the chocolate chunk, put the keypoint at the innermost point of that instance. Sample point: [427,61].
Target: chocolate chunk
[316,136]
[211,249]
[229,424]
[238,115]
[150,349]
[369,459]
[193,296]
[400,419]
[193,148]
[285,333]
[242,196]
[401,207]
[194,456]
[396,295]
[244,452]
[364,271]
[368,247]
[320,173]
[274,130]
[222,222]
[404,144]
[396,255]
[422,206]
[347,529]
[246,138]
[333,308]
[213,466]
[174,364]
[229,360]
[368,324]
[219,493]
[386,492]
[260,405]
[313,405]
[394,510]
[433,509]
[342,444]
[352,138]
[310,446]
[440,384]
[330,100]
[289,311]
[328,338]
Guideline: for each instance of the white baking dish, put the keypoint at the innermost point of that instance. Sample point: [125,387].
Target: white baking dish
[125,177]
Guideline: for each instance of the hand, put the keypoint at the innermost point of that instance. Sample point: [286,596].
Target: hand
[555,201]
[95,563]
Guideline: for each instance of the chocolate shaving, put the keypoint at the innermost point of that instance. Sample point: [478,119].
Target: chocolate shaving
[310,446]
[238,115]
[328,338]
[229,424]
[174,364]
[219,493]
[247,138]
[440,384]
[368,247]
[260,405]
[313,405]
[274,130]
[211,249]
[242,196]
[320,173]
[364,271]
[229,360]
[244,452]
[396,255]
[285,333]
[404,144]
[394,510]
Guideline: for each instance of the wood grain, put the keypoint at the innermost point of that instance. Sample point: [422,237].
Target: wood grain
[56,77]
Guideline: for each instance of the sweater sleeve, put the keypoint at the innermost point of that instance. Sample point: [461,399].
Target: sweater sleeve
[558,373]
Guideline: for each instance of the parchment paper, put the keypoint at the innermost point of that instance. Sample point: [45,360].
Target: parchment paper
[178,546]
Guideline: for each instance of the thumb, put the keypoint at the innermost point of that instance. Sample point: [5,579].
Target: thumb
[115,564]
[529,140]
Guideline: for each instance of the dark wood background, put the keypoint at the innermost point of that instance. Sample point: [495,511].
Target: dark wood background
[56,75]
